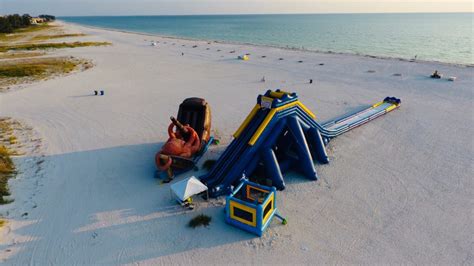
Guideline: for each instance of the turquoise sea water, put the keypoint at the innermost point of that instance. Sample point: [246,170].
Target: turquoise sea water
[446,37]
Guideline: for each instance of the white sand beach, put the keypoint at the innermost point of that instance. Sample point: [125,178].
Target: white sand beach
[397,190]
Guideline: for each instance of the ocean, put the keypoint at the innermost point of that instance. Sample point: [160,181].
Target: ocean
[444,37]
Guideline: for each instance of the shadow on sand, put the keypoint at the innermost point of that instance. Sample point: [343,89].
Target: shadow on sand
[104,206]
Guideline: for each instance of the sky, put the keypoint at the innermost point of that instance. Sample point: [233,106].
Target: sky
[194,7]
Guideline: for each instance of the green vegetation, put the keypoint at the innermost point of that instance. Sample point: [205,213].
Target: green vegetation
[43,46]
[38,67]
[21,70]
[35,28]
[7,168]
[24,32]
[10,23]
[57,36]
[12,139]
[18,55]
[199,220]
[32,69]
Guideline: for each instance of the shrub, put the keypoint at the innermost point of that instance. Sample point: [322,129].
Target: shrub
[199,220]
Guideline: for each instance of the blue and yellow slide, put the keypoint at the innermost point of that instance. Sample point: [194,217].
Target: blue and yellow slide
[279,134]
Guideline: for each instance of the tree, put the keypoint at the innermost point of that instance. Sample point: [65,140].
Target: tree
[5,26]
[15,21]
[47,17]
[26,19]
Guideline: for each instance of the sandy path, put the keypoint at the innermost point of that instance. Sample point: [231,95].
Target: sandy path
[397,190]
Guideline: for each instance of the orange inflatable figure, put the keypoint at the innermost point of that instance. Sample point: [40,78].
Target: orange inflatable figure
[184,142]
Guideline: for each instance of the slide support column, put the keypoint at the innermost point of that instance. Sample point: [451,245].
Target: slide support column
[318,146]
[304,155]
[272,168]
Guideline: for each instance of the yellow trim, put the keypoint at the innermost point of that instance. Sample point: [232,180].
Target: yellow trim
[266,99]
[306,109]
[234,204]
[262,126]
[278,94]
[390,108]
[270,115]
[271,201]
[247,121]
[377,104]
[255,188]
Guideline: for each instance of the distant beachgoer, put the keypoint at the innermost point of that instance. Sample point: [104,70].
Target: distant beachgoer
[311,81]
[436,75]
[263,79]
[182,54]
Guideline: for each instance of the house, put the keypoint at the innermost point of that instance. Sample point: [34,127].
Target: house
[37,20]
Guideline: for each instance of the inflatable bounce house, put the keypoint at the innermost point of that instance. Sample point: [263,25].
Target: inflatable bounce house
[251,207]
[280,134]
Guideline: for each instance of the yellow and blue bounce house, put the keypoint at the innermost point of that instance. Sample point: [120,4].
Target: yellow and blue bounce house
[251,207]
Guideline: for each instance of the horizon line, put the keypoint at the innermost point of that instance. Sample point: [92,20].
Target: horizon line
[250,14]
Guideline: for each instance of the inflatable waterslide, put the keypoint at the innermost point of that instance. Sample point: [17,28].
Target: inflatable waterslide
[280,134]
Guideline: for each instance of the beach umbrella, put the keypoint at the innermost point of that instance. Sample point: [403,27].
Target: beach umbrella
[187,188]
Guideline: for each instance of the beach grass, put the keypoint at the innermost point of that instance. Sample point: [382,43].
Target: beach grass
[18,55]
[57,36]
[32,69]
[44,46]
[7,170]
[37,67]
[36,27]
[20,33]
[6,37]
[7,167]
[12,140]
